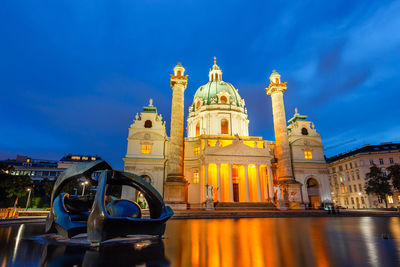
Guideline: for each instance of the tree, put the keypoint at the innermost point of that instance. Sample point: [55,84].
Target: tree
[394,175]
[12,186]
[377,183]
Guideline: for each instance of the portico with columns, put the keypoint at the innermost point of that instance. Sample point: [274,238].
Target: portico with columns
[237,172]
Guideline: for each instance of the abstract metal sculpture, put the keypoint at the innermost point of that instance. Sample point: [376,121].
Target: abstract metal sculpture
[72,215]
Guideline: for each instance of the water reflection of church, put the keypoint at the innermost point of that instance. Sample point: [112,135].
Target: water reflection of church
[219,152]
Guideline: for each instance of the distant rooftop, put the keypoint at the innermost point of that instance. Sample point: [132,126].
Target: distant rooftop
[79,158]
[366,149]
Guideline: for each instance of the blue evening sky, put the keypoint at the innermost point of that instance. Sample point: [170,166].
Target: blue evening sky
[73,74]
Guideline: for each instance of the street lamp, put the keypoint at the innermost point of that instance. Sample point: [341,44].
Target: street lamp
[29,197]
[84,185]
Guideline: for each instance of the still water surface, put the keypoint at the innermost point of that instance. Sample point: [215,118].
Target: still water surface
[228,242]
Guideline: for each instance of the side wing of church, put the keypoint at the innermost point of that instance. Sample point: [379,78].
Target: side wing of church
[223,164]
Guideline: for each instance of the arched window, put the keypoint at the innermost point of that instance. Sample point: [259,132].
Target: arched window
[198,129]
[224,126]
[196,177]
[223,99]
[197,104]
[178,73]
[312,183]
[148,124]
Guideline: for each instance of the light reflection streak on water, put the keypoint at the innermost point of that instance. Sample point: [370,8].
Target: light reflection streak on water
[367,231]
[394,225]
[17,240]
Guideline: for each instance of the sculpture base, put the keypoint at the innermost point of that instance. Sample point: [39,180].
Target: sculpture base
[175,193]
[209,205]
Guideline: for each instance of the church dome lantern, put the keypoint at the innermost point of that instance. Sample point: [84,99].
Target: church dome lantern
[222,100]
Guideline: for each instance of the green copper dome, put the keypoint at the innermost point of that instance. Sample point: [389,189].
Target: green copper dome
[210,91]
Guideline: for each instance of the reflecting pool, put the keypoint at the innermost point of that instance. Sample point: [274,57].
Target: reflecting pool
[363,241]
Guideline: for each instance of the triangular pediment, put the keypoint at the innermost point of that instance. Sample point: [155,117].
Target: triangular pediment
[237,149]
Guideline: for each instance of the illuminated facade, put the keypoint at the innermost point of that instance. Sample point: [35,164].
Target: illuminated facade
[347,175]
[219,152]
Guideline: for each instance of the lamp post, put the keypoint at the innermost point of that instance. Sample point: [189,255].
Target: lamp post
[29,197]
[84,185]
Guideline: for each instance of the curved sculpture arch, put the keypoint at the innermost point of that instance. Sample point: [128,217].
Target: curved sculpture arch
[71,215]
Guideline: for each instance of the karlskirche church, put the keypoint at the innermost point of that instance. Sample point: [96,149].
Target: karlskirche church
[218,163]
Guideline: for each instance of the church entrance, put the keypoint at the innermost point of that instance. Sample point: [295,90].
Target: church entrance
[235,192]
[313,193]
[235,183]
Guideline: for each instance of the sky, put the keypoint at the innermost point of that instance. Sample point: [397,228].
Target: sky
[73,74]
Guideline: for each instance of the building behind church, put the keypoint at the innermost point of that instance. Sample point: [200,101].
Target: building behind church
[222,162]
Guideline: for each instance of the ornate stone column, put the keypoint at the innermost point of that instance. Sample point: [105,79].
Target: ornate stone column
[283,153]
[246,176]
[230,183]
[219,182]
[259,185]
[176,184]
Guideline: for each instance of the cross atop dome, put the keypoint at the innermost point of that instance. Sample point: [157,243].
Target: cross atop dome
[215,73]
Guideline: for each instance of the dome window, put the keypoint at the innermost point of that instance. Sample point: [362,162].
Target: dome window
[304,131]
[198,104]
[223,99]
[148,124]
[224,126]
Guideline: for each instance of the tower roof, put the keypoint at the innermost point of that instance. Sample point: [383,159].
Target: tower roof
[297,117]
[150,108]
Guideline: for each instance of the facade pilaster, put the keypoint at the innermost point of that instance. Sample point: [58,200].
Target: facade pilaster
[246,175]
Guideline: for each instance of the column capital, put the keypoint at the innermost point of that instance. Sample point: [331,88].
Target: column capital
[276,88]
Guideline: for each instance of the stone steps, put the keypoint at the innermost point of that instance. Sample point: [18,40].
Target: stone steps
[245,206]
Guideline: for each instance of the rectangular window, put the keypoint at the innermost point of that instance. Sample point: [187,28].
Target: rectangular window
[346,166]
[340,168]
[355,188]
[391,160]
[146,149]
[85,158]
[196,151]
[351,165]
[196,177]
[381,161]
[350,189]
[371,162]
[362,200]
[76,157]
[358,176]
[334,170]
[52,173]
[352,176]
[45,173]
[352,200]
[342,189]
[360,187]
[390,199]
[355,164]
[307,154]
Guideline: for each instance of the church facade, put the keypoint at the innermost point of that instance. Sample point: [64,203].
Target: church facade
[222,163]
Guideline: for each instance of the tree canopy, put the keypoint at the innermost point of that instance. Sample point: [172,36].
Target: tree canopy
[394,176]
[377,183]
